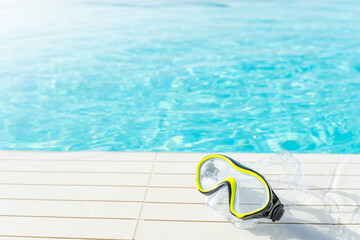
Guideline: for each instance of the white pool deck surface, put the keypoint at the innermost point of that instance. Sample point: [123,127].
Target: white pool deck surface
[149,195]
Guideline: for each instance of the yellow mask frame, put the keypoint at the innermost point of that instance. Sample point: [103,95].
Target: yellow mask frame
[272,209]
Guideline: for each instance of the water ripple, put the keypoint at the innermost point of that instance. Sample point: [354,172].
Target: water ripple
[249,76]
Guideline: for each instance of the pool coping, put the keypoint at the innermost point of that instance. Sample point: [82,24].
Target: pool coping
[151,195]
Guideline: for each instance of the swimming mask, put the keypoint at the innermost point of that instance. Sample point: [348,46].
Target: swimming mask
[250,195]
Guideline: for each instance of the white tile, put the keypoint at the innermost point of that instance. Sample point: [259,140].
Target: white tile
[164,230]
[182,195]
[25,155]
[253,157]
[58,166]
[74,178]
[73,192]
[67,228]
[80,209]
[173,180]
[175,167]
[82,155]
[196,157]
[184,212]
[180,157]
[296,214]
[12,237]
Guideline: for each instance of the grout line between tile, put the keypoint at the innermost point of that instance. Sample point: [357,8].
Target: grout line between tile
[159,173]
[267,223]
[143,202]
[66,217]
[73,160]
[155,202]
[146,161]
[92,172]
[51,237]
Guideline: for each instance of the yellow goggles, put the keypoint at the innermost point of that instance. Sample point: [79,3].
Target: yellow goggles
[249,194]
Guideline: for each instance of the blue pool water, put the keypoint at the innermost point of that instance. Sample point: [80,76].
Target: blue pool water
[244,76]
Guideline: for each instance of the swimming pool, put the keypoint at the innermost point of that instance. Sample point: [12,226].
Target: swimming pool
[242,76]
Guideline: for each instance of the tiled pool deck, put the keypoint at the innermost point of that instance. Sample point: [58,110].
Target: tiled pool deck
[117,195]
